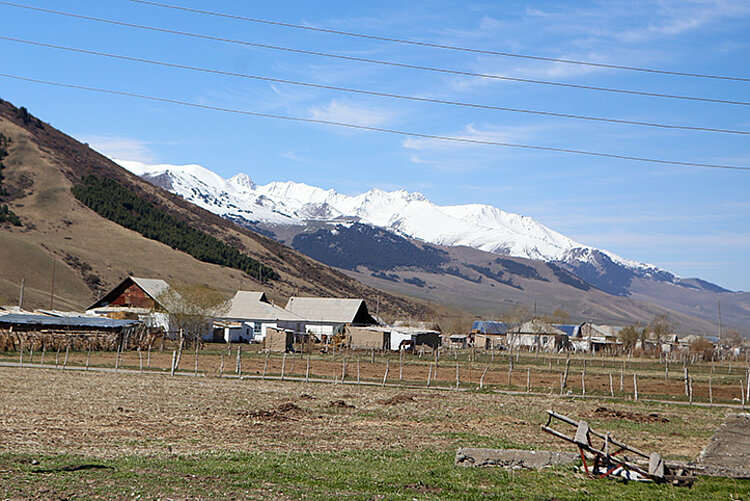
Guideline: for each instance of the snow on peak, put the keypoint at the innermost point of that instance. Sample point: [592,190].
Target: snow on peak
[242,181]
[408,213]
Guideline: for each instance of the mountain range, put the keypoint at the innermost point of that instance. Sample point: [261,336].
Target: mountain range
[489,258]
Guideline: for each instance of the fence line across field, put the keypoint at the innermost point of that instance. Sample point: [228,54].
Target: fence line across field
[414,372]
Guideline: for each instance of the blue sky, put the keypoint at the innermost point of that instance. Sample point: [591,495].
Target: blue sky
[692,221]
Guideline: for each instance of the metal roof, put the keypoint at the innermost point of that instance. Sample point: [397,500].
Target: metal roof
[570,330]
[489,327]
[71,322]
[323,309]
[250,305]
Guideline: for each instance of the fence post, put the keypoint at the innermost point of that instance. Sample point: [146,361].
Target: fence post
[307,370]
[358,380]
[687,390]
[238,363]
[67,351]
[635,386]
[565,374]
[710,391]
[57,356]
[429,374]
[387,366]
[401,364]
[21,360]
[458,379]
[611,386]
[148,357]
[343,369]
[283,365]
[44,350]
[690,385]
[528,379]
[174,361]
[140,359]
[221,367]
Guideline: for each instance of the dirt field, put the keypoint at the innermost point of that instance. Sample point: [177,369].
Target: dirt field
[47,411]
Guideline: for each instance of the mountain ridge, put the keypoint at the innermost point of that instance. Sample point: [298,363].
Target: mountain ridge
[408,214]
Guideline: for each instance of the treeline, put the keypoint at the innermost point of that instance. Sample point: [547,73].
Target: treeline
[115,202]
[6,215]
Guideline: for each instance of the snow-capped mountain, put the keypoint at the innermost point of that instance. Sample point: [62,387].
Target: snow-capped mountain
[411,215]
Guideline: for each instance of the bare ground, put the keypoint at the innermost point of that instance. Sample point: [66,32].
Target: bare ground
[107,415]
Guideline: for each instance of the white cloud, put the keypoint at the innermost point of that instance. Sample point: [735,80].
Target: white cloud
[470,132]
[121,147]
[343,111]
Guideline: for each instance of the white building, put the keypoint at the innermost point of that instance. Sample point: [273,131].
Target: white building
[249,316]
[326,316]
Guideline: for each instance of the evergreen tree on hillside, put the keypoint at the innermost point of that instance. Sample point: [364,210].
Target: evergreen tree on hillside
[115,202]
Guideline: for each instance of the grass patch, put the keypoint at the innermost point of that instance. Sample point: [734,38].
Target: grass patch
[364,474]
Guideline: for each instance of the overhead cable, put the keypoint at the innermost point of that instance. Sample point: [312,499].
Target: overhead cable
[454,139]
[377,93]
[444,46]
[381,62]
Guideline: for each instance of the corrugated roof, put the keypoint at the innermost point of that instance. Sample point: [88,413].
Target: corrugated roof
[251,305]
[154,287]
[323,309]
[489,327]
[70,322]
[570,330]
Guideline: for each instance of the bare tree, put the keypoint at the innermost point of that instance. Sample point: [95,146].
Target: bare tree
[661,327]
[192,309]
[631,334]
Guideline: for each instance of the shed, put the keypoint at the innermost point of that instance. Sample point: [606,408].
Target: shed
[367,338]
[279,340]
[79,332]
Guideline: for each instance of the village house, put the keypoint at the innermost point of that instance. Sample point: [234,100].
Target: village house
[137,299]
[249,317]
[326,317]
[490,335]
[596,337]
[538,335]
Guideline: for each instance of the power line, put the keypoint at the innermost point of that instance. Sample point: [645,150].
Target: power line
[377,93]
[382,62]
[443,46]
[379,129]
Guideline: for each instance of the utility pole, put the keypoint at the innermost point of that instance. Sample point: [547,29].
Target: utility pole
[20,298]
[719,322]
[52,291]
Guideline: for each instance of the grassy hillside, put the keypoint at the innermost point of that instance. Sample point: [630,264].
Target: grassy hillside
[93,253]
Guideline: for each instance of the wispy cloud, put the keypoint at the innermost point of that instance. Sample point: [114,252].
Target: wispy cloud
[121,147]
[345,111]
[293,156]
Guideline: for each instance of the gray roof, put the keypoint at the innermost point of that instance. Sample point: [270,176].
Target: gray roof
[250,305]
[537,326]
[324,309]
[71,322]
[154,287]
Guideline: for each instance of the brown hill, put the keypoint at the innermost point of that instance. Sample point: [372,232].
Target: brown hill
[90,253]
